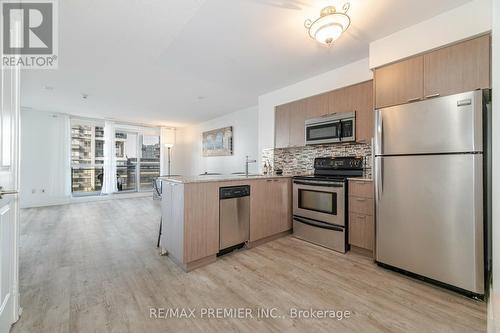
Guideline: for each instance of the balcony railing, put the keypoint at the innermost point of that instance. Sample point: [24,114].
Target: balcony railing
[88,180]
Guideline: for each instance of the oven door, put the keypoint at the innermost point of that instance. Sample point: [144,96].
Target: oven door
[320,201]
[321,133]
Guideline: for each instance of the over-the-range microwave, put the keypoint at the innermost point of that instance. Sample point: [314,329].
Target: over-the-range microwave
[332,128]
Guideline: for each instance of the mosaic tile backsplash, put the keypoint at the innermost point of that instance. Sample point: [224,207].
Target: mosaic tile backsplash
[300,160]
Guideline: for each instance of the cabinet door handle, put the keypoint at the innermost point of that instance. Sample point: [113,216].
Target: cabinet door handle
[414,99]
[432,96]
[360,199]
[361,217]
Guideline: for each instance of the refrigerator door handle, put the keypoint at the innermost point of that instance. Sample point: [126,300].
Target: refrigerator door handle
[379,180]
[379,133]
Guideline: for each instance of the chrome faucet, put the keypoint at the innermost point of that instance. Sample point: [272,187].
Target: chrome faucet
[247,162]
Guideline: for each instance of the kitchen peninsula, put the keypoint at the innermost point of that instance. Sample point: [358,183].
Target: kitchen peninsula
[190,213]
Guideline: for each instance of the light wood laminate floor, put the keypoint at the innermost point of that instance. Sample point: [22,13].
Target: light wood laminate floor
[94,267]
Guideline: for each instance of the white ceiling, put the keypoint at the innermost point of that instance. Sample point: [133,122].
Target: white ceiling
[184,61]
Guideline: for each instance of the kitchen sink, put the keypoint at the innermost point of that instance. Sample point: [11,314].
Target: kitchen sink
[242,174]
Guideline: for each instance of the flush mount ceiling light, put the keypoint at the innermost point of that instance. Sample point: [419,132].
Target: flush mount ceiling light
[330,25]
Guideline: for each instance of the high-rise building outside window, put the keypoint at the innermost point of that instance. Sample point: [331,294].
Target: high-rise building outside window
[150,161]
[137,157]
[87,157]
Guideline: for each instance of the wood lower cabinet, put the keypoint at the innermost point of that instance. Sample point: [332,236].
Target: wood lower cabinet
[458,68]
[361,231]
[361,205]
[201,220]
[190,215]
[361,211]
[270,206]
[399,83]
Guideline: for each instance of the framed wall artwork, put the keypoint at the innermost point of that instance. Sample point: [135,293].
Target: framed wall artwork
[218,142]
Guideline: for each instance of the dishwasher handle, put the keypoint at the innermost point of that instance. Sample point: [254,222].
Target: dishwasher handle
[232,192]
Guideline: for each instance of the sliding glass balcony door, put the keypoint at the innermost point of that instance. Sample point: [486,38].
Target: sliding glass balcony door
[136,157]
[87,158]
[137,160]
[126,145]
[149,163]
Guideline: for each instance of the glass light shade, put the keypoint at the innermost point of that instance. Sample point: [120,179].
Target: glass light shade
[328,34]
[168,137]
[328,28]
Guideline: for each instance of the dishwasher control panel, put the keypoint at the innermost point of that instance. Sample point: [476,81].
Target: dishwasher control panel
[234,192]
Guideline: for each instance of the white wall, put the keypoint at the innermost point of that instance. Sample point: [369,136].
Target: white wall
[191,162]
[350,74]
[495,299]
[463,22]
[45,159]
[43,152]
[468,20]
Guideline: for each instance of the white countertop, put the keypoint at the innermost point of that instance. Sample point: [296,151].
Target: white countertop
[217,178]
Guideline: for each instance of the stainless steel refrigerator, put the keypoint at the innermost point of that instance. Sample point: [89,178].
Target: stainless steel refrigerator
[429,190]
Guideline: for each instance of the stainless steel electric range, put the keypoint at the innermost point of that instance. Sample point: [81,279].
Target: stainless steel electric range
[320,202]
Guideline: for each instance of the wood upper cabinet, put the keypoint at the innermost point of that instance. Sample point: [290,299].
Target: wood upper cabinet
[340,100]
[399,83]
[282,126]
[358,98]
[298,116]
[450,70]
[317,106]
[458,68]
[362,103]
[290,118]
[270,204]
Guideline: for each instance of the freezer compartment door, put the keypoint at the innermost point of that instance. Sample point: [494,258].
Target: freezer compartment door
[429,217]
[450,124]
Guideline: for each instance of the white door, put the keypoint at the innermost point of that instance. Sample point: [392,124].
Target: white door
[9,210]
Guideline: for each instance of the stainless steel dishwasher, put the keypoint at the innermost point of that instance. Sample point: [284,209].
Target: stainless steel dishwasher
[234,217]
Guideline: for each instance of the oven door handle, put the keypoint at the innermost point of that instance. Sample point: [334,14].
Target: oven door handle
[318,224]
[317,184]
